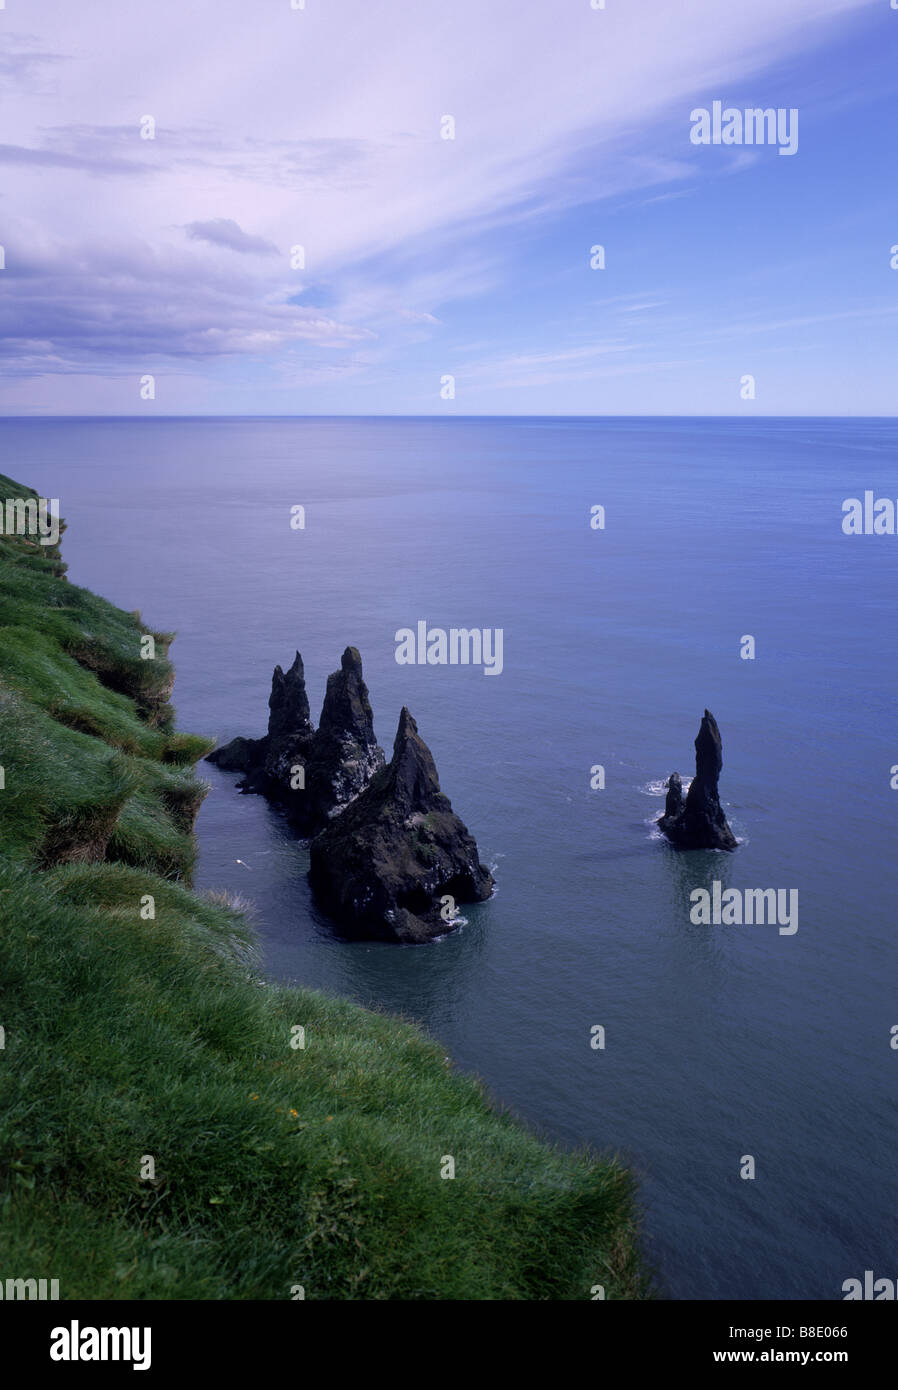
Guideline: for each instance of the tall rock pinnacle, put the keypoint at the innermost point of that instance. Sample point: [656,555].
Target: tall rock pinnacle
[384,867]
[412,771]
[288,703]
[697,821]
[345,754]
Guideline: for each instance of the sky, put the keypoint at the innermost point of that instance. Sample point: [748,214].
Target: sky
[161,163]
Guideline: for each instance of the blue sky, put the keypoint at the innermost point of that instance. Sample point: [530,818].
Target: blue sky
[427,258]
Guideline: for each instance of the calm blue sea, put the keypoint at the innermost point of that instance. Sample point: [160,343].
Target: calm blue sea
[720,1041]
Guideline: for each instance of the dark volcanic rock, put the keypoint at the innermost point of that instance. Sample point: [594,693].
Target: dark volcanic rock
[345,754]
[388,847]
[288,703]
[697,821]
[383,866]
[673,805]
[289,740]
[237,756]
[312,774]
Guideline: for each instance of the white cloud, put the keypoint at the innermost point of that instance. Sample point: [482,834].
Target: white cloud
[321,128]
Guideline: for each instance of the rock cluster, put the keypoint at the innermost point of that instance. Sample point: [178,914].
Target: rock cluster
[389,857]
[697,821]
[312,773]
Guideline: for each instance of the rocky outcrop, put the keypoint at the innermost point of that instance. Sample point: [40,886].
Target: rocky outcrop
[383,868]
[389,857]
[312,773]
[237,756]
[697,821]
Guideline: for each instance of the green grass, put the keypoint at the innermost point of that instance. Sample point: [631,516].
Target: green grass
[136,1025]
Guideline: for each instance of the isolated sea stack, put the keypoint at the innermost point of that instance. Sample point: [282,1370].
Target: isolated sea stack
[697,821]
[382,868]
[312,773]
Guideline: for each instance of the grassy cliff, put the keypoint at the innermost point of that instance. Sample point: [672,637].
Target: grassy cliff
[160,1136]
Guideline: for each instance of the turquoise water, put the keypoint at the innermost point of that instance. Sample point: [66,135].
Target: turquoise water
[720,1041]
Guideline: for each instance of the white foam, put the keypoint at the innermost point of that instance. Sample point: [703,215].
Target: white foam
[455,925]
[658,787]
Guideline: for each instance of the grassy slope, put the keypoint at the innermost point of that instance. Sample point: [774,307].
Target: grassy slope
[129,1036]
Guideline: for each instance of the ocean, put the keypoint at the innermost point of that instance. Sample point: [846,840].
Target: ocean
[720,1042]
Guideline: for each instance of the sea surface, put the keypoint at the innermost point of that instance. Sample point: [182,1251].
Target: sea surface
[720,1041]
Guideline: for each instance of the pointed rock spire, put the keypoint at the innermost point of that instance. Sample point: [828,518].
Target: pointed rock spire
[708,754]
[345,753]
[413,773]
[346,711]
[288,703]
[384,867]
[698,821]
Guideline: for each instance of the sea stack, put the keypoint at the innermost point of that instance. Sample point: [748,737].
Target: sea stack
[288,742]
[313,774]
[344,754]
[697,821]
[382,868]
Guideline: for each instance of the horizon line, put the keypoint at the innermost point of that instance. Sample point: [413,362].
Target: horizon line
[384,415]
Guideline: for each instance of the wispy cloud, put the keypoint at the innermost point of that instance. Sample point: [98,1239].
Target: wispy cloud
[25,156]
[224,231]
[24,60]
[322,129]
